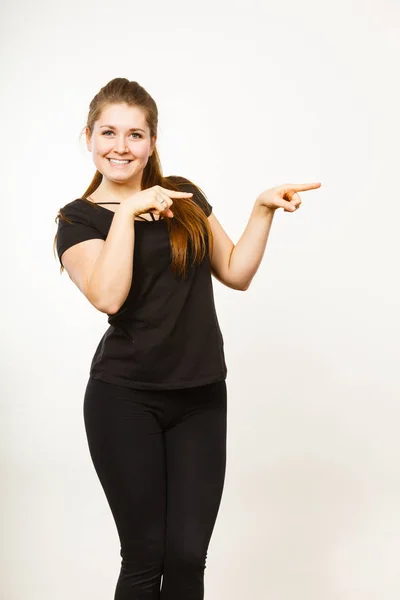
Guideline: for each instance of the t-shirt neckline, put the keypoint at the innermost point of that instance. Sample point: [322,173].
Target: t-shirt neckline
[136,220]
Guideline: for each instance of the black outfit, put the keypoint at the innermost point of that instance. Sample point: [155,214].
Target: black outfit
[166,335]
[155,411]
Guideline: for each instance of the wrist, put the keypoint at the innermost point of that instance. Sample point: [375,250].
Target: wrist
[262,209]
[126,210]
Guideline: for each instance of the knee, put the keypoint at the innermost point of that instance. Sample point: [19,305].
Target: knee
[145,557]
[185,560]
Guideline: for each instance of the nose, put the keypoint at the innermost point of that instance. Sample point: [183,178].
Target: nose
[120,144]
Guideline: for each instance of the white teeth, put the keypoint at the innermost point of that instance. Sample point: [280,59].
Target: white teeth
[119,162]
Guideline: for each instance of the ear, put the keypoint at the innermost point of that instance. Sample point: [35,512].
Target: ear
[88,139]
[153,144]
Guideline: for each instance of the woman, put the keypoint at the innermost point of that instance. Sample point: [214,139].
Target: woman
[142,247]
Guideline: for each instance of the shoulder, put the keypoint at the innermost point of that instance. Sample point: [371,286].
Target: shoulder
[186,185]
[79,206]
[76,211]
[75,225]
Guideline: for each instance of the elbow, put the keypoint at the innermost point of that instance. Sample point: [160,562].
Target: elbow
[240,287]
[111,310]
[104,308]
[108,305]
[246,285]
[234,284]
[239,284]
[96,302]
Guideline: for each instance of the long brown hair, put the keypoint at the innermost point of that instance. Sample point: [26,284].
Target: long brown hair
[190,225]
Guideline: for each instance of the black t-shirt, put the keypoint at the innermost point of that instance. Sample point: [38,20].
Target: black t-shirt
[166,335]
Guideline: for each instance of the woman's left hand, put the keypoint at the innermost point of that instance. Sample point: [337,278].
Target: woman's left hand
[285,196]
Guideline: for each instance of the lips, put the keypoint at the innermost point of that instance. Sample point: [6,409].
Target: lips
[119,159]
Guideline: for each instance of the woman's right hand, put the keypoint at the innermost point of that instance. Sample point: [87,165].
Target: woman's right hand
[156,200]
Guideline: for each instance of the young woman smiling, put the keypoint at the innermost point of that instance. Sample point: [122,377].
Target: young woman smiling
[143,248]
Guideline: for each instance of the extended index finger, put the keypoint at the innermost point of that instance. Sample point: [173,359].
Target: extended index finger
[299,187]
[175,194]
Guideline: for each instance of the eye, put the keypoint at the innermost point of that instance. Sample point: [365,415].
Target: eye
[133,133]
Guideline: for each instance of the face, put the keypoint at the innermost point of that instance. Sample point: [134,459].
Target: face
[121,133]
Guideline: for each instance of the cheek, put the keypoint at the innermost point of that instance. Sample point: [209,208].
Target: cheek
[101,147]
[141,150]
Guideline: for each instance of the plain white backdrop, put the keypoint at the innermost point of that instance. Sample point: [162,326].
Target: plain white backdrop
[250,95]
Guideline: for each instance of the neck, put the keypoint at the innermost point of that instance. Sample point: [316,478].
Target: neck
[115,192]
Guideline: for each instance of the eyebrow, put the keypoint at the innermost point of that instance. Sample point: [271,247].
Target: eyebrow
[132,128]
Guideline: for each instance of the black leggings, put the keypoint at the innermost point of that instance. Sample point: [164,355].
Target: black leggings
[160,456]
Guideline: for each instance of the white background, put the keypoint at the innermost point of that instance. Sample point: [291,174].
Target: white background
[250,95]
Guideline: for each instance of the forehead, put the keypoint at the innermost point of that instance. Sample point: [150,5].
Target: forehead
[122,116]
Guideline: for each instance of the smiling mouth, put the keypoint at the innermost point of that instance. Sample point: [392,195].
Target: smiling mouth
[117,162]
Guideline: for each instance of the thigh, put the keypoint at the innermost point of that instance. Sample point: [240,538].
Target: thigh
[127,449]
[196,463]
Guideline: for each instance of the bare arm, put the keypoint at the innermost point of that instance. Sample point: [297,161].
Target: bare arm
[109,282]
[247,254]
[235,265]
[103,269]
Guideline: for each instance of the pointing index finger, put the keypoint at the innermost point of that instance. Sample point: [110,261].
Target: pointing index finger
[299,187]
[176,194]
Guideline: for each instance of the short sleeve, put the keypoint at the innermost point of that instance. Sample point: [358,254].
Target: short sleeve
[198,195]
[79,229]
